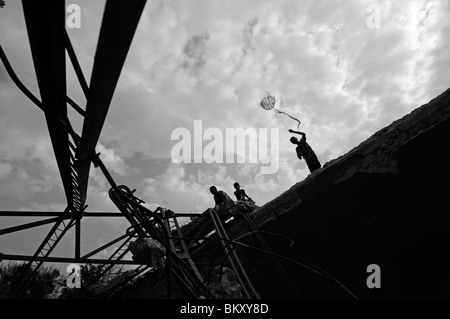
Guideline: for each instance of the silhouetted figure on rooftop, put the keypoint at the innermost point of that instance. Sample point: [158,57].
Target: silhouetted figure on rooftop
[305,151]
[221,199]
[242,198]
[240,193]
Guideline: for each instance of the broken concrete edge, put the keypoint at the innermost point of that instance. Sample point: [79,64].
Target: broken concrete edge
[148,251]
[377,154]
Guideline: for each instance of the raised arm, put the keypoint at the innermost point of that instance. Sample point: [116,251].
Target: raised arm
[296,132]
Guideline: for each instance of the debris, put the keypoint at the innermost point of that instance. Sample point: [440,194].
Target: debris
[148,251]
[224,285]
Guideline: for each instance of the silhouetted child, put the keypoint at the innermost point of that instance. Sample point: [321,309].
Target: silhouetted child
[305,151]
[240,193]
[242,198]
[221,199]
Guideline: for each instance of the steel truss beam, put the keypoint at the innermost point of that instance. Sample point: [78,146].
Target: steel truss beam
[43,21]
[74,154]
[119,24]
[32,225]
[68,260]
[49,41]
[48,214]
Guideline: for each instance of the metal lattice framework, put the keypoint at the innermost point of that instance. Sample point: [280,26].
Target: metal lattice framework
[49,42]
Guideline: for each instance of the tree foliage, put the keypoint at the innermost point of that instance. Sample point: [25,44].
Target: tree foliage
[49,283]
[41,286]
[89,286]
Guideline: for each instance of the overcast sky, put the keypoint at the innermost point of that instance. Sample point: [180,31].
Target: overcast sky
[343,77]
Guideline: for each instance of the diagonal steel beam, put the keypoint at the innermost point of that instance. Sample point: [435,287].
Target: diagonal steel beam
[68,260]
[48,51]
[13,229]
[120,20]
[56,214]
[48,244]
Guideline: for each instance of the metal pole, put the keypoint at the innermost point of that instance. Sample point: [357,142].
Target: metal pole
[104,246]
[78,238]
[31,225]
[68,260]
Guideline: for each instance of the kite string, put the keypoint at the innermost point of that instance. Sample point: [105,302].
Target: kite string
[278,111]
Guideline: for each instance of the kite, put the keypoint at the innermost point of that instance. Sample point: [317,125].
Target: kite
[268,104]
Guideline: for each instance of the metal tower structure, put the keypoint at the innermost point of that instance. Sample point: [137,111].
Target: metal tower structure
[75,153]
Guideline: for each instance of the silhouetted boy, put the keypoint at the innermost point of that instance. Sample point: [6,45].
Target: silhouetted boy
[221,199]
[304,150]
[240,193]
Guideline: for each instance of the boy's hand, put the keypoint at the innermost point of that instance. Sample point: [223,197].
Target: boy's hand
[291,131]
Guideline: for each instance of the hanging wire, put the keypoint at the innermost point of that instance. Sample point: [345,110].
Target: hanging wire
[300,261]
